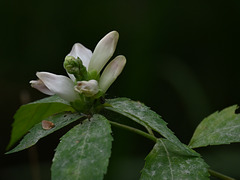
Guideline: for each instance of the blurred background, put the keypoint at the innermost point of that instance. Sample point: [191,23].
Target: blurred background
[182,60]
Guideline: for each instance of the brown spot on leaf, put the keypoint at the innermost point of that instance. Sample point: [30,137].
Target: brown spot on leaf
[47,125]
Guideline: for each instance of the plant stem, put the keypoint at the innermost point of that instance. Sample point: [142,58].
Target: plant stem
[219,175]
[149,136]
[154,139]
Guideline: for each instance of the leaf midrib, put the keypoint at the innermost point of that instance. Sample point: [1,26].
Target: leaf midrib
[83,147]
[169,160]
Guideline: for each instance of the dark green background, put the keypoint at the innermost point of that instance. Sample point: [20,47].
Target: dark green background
[182,61]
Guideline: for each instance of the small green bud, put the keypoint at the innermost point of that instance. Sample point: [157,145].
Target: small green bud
[75,67]
[71,65]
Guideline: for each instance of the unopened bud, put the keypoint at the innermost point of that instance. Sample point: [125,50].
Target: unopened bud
[111,72]
[71,65]
[88,88]
[103,51]
[75,67]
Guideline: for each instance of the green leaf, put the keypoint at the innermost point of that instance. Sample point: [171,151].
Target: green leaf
[146,117]
[37,132]
[218,128]
[166,162]
[32,113]
[84,151]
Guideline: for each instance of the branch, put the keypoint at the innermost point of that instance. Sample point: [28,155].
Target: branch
[149,136]
[154,139]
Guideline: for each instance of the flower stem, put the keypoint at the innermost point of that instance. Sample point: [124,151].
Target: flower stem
[149,136]
[154,139]
[219,175]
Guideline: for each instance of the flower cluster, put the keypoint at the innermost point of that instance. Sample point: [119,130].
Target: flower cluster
[84,84]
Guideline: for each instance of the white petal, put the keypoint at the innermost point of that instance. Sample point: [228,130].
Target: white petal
[78,50]
[58,84]
[39,85]
[72,77]
[111,72]
[103,51]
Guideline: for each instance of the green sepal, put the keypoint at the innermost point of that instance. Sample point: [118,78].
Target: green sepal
[93,75]
[82,105]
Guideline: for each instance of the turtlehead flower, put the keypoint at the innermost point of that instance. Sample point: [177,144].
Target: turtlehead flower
[83,68]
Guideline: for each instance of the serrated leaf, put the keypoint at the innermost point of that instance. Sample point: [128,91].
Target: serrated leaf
[146,117]
[218,128]
[165,162]
[84,151]
[37,132]
[32,113]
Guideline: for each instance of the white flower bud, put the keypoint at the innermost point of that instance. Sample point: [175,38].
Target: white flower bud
[111,72]
[88,88]
[103,51]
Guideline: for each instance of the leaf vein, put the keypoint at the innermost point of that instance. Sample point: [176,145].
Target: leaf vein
[169,161]
[83,147]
